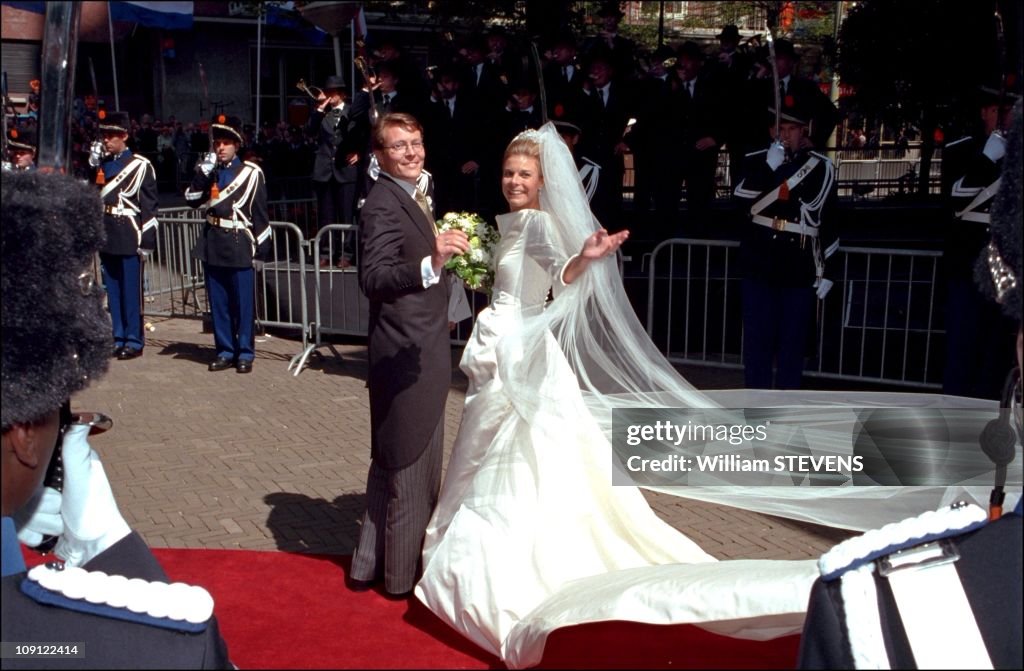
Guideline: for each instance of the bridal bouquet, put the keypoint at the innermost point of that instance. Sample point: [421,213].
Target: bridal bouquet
[476,266]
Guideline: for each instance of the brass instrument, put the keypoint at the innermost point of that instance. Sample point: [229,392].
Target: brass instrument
[309,90]
[372,83]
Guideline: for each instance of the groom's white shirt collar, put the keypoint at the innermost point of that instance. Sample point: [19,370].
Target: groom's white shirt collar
[406,186]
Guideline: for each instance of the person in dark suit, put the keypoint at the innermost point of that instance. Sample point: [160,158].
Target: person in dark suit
[609,43]
[459,154]
[55,342]
[789,192]
[799,91]
[129,194]
[401,272]
[978,336]
[701,118]
[483,80]
[341,128]
[234,241]
[563,78]
[654,140]
[603,117]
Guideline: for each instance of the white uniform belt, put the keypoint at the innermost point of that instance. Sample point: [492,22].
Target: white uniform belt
[217,222]
[118,211]
[782,225]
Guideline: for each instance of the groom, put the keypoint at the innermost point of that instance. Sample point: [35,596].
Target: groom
[401,272]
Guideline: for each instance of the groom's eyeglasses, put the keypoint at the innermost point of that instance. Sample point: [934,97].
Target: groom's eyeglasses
[402,147]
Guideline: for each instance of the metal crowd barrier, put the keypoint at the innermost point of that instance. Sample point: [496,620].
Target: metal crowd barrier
[335,300]
[175,284]
[883,321]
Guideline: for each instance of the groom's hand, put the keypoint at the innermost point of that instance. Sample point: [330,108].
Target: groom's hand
[447,245]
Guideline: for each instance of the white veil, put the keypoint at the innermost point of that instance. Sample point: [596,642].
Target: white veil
[618,366]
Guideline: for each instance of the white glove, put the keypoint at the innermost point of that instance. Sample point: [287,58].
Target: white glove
[776,155]
[207,164]
[995,147]
[92,522]
[96,154]
[823,287]
[39,517]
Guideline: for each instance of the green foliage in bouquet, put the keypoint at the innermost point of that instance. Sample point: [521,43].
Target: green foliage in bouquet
[476,266]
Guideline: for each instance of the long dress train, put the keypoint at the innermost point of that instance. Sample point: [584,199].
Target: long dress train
[530,535]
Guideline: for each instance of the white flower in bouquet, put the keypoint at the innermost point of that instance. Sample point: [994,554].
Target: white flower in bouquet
[475,267]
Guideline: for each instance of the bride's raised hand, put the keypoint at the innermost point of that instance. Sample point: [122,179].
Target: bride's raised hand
[597,246]
[602,243]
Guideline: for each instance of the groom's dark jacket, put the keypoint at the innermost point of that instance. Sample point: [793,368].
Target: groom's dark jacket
[409,347]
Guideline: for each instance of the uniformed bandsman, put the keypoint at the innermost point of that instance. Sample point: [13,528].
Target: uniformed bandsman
[235,239]
[21,149]
[978,336]
[111,606]
[789,191]
[129,195]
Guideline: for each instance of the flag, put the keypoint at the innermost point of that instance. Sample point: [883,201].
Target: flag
[169,15]
[361,23]
[284,15]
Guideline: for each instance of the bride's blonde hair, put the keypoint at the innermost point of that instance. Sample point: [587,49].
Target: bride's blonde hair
[526,143]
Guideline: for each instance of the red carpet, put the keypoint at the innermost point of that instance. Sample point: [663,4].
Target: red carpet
[293,611]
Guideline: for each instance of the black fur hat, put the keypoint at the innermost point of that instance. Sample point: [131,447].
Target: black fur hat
[56,333]
[998,269]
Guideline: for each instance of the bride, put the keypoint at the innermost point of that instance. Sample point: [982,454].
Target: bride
[529,534]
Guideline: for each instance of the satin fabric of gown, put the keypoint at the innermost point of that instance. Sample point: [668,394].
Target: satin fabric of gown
[530,535]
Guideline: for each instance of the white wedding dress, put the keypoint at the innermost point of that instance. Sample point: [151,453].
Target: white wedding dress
[529,534]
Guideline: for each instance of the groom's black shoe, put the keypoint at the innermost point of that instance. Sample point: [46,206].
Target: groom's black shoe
[398,597]
[359,585]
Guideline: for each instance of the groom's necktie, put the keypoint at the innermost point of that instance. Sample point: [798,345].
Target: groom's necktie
[421,200]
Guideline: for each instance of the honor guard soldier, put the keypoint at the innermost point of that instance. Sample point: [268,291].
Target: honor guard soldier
[109,604]
[978,337]
[21,149]
[235,240]
[129,194]
[788,189]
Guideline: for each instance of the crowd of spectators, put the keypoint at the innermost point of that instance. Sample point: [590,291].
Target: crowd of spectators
[674,110]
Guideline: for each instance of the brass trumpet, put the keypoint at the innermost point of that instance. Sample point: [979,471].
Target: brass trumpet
[309,90]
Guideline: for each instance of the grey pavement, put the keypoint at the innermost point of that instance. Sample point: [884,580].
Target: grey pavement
[270,461]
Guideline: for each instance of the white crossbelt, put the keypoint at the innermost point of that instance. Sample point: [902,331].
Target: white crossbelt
[934,609]
[783,225]
[969,213]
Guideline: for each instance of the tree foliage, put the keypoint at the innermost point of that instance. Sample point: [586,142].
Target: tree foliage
[917,63]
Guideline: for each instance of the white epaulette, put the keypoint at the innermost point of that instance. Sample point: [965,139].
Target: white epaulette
[917,561]
[255,166]
[175,606]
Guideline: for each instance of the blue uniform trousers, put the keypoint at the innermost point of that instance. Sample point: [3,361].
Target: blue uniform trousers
[231,292]
[122,276]
[775,322]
